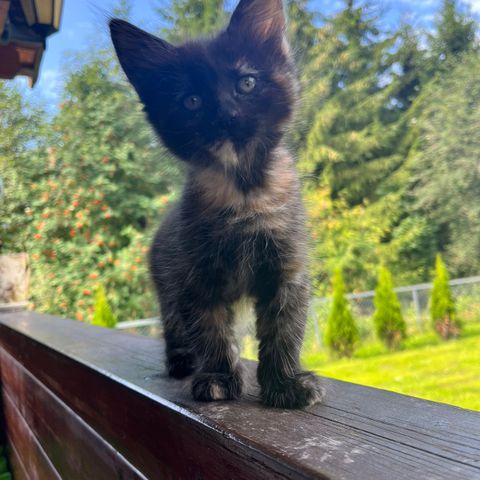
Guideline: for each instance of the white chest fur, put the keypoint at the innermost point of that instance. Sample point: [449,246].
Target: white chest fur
[225,153]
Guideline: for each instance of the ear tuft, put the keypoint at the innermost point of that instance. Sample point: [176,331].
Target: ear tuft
[139,52]
[262,19]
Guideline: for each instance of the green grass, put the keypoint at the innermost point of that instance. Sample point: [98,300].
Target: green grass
[4,474]
[426,367]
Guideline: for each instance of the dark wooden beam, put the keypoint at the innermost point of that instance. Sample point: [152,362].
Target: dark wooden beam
[4,6]
[20,59]
[10,61]
[112,387]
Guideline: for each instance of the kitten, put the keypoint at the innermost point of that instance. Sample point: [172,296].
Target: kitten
[222,105]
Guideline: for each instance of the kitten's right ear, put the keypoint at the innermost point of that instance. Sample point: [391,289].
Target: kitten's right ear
[259,20]
[140,53]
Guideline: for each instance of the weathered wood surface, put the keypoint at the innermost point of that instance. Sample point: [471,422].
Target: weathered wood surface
[113,390]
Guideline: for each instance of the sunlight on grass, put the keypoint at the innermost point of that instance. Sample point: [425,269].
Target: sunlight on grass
[427,368]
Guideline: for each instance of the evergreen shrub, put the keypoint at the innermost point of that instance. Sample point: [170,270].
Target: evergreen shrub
[342,333]
[389,323]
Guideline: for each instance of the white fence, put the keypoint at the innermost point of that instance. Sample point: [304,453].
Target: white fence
[150,327]
[414,300]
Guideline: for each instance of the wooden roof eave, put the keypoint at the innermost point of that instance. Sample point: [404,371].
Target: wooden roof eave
[25,38]
[4,6]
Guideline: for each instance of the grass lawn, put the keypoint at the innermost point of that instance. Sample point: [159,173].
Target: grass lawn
[446,372]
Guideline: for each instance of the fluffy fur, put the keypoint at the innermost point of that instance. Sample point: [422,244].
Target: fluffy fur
[238,229]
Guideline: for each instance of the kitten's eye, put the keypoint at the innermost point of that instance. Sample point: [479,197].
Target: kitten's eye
[246,84]
[192,102]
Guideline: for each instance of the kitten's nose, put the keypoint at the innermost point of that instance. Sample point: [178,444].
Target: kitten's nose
[230,114]
[228,110]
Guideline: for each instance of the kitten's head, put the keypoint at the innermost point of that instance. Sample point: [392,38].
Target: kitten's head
[215,101]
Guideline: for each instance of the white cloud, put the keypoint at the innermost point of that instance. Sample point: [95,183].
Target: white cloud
[474,5]
[49,84]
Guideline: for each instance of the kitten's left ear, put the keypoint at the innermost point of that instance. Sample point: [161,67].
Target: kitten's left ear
[140,53]
[260,20]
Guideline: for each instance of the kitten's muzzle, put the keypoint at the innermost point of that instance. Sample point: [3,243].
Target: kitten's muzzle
[229,116]
[228,109]
[229,125]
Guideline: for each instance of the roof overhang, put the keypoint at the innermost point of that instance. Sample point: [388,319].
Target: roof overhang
[24,27]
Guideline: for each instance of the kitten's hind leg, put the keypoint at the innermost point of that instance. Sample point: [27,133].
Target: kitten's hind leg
[219,377]
[281,319]
[180,359]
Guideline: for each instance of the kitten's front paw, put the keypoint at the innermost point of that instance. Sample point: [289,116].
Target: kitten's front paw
[180,364]
[207,387]
[301,391]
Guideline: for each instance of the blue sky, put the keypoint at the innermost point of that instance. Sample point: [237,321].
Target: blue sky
[83,22]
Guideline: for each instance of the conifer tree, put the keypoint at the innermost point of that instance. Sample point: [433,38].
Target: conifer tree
[411,72]
[446,175]
[454,35]
[186,19]
[103,316]
[388,320]
[302,32]
[341,334]
[442,305]
[353,141]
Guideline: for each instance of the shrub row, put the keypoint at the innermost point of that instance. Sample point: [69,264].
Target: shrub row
[342,335]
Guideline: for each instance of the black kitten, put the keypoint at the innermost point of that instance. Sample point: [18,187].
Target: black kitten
[222,105]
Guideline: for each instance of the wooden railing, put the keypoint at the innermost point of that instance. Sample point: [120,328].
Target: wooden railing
[81,402]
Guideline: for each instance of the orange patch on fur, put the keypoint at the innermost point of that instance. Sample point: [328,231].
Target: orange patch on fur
[218,190]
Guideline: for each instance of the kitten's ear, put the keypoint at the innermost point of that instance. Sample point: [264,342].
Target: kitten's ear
[140,53]
[258,19]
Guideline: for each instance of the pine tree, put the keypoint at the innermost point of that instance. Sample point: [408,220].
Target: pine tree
[409,241]
[411,71]
[341,334]
[302,32]
[353,141]
[103,316]
[187,19]
[442,305]
[388,320]
[447,179]
[455,33]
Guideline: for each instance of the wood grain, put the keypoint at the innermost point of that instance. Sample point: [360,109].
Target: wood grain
[76,451]
[117,385]
[18,469]
[35,463]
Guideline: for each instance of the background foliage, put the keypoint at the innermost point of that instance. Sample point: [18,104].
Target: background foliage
[386,139]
